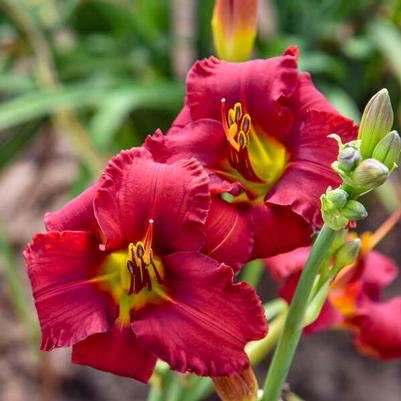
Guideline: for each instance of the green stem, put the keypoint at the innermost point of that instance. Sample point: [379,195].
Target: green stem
[252,272]
[155,394]
[291,334]
[257,350]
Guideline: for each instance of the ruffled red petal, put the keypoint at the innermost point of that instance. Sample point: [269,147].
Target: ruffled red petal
[283,265]
[229,233]
[76,215]
[183,118]
[312,155]
[379,329]
[206,323]
[262,86]
[307,97]
[135,189]
[62,268]
[117,352]
[309,140]
[204,140]
[278,230]
[377,271]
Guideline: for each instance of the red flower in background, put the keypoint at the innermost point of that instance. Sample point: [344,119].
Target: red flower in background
[122,280]
[354,302]
[260,129]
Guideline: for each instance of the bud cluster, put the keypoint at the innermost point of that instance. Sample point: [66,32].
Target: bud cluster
[338,210]
[365,163]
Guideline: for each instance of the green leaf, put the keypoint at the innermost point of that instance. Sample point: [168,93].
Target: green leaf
[387,38]
[16,140]
[116,106]
[45,102]
[13,83]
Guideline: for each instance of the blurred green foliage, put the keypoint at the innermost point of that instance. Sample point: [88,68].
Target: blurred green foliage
[113,63]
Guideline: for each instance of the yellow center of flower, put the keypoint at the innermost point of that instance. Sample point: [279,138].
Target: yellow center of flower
[255,160]
[135,276]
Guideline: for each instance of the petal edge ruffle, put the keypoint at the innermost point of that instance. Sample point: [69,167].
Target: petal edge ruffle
[62,268]
[198,329]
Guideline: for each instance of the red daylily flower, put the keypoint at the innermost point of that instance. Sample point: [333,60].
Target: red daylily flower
[122,280]
[260,129]
[354,302]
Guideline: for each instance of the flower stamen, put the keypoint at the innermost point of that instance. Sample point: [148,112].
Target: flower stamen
[140,259]
[238,128]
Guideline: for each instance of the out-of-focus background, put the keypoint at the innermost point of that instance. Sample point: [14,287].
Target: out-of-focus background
[82,79]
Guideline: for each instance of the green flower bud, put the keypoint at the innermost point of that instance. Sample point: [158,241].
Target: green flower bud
[334,218]
[369,174]
[348,158]
[354,210]
[377,120]
[388,150]
[338,197]
[347,254]
[316,304]
[332,202]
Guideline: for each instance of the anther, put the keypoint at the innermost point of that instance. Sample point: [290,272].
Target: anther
[238,112]
[242,140]
[246,123]
[228,121]
[140,251]
[231,117]
[130,268]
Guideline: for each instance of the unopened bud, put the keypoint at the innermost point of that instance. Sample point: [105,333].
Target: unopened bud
[377,120]
[348,158]
[388,150]
[234,28]
[370,174]
[334,218]
[237,387]
[316,304]
[338,197]
[347,254]
[332,202]
[354,210]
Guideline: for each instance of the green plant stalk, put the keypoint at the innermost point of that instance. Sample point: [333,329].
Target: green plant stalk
[252,272]
[155,394]
[292,331]
[257,350]
[64,119]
